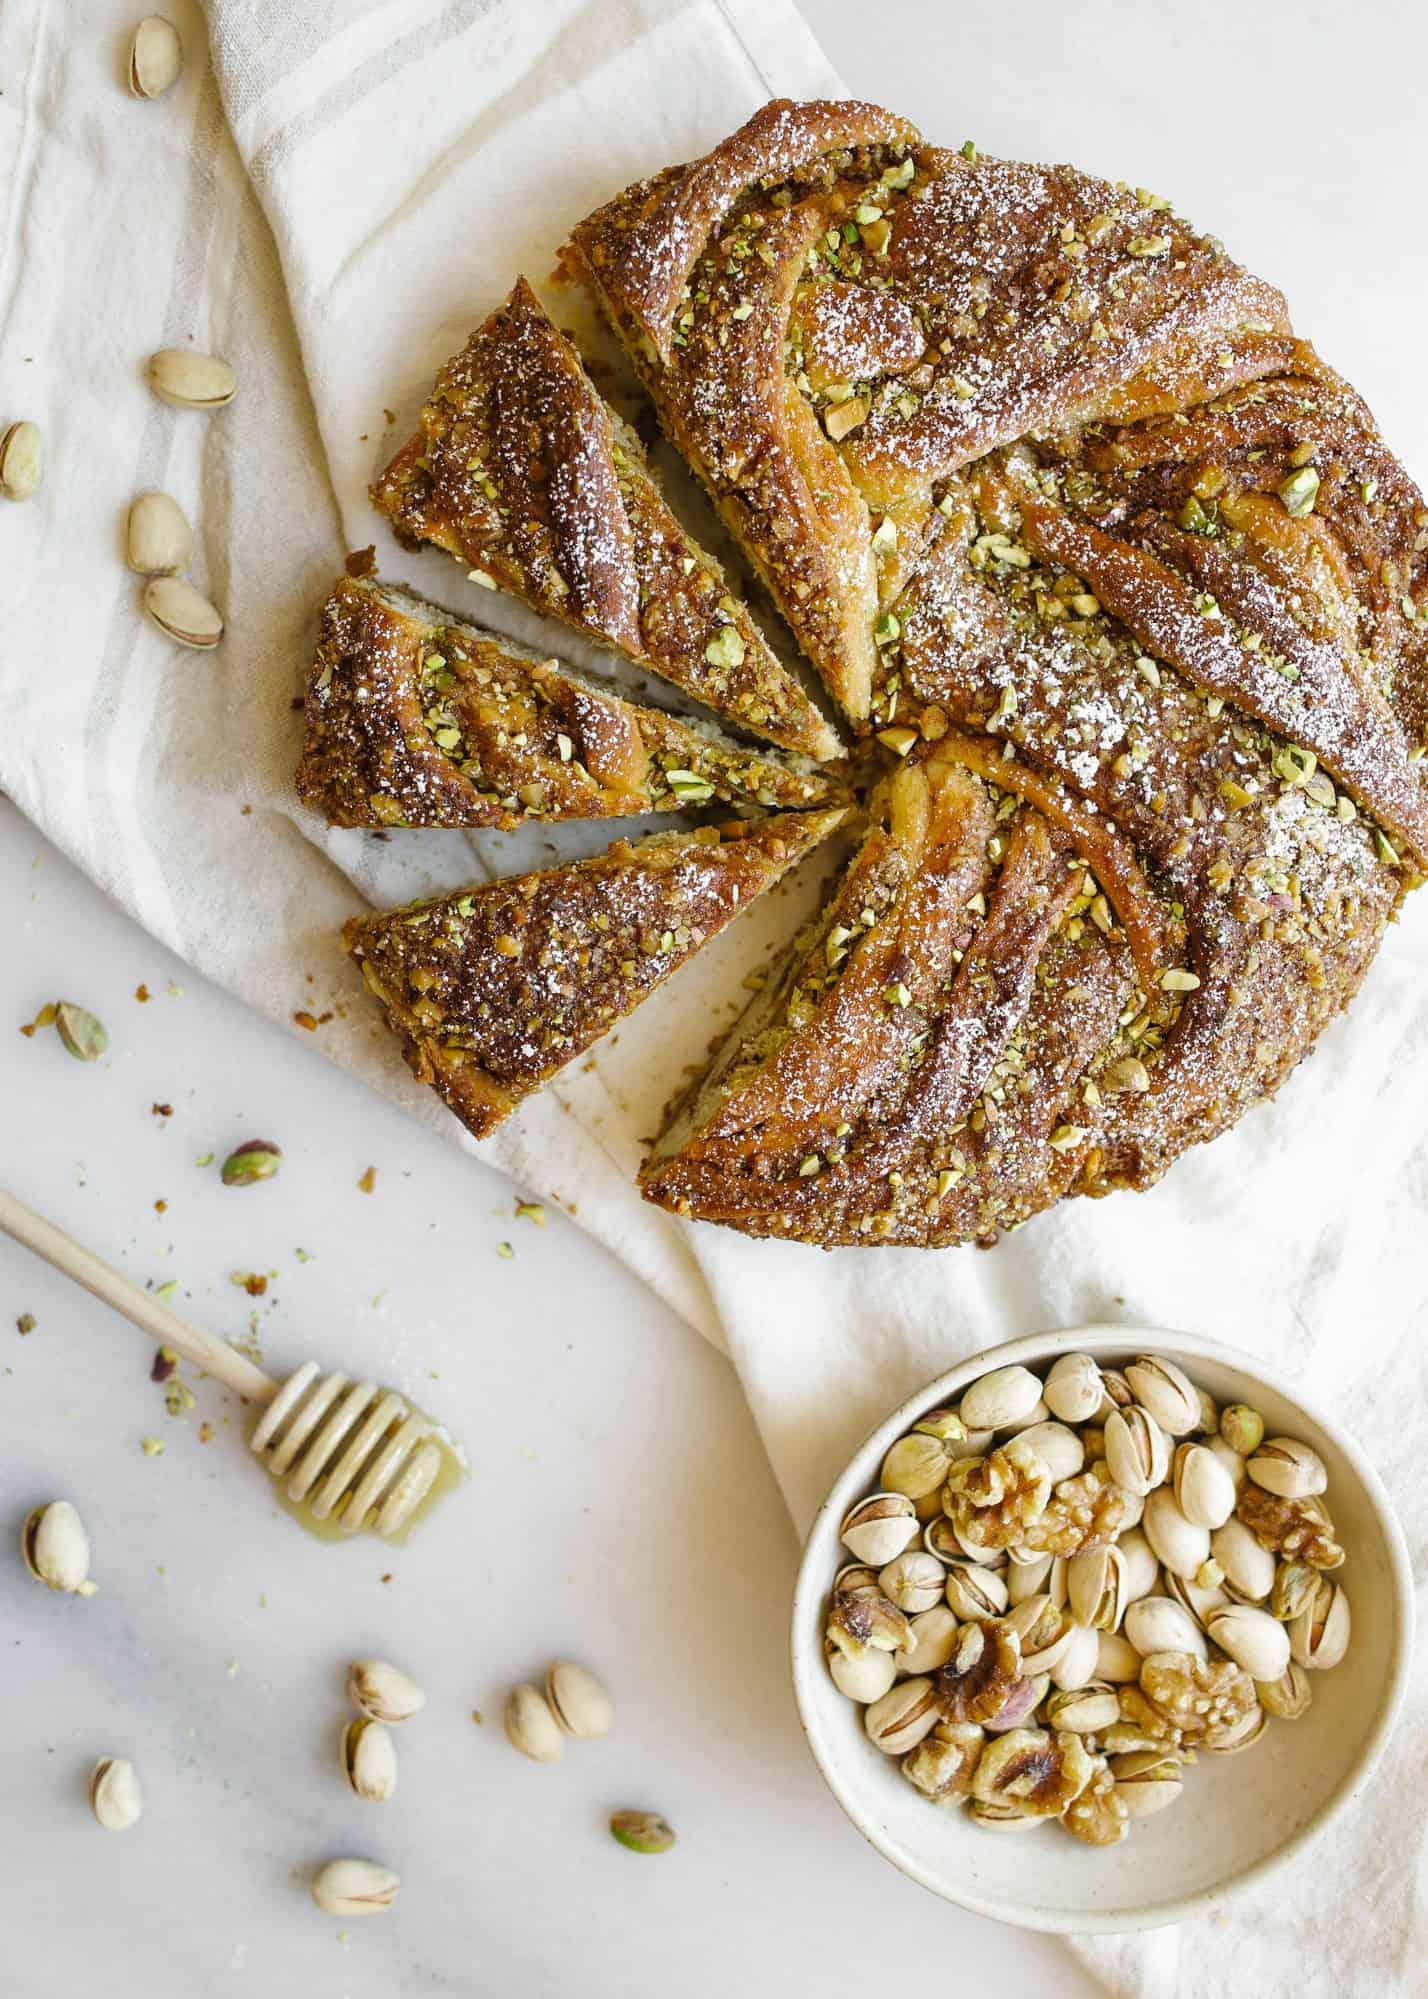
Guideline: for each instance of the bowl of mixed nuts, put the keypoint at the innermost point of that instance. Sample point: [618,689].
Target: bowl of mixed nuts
[1078,1581]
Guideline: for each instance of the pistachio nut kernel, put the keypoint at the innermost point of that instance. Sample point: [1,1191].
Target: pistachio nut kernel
[1167,1392]
[862,1676]
[1289,1469]
[1319,1636]
[642,1832]
[943,1424]
[1242,1428]
[1098,1815]
[1045,1630]
[1021,1704]
[996,1401]
[1073,1389]
[944,1763]
[1287,1697]
[978,1679]
[913,1581]
[579,1703]
[880,1527]
[1294,1586]
[1087,1710]
[155,57]
[1037,1771]
[382,1691]
[81,1033]
[863,1621]
[531,1727]
[189,381]
[256,1159]
[115,1795]
[354,1888]
[368,1757]
[1294,1528]
[56,1548]
[973,1591]
[933,1635]
[915,1466]
[158,538]
[1147,1780]
[22,461]
[1116,1391]
[906,1713]
[182,613]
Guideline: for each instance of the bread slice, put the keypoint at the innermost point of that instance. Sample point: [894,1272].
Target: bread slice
[906,1077]
[415,718]
[523,472]
[493,991]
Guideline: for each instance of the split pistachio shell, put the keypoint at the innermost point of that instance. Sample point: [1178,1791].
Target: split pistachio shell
[1115,1391]
[182,613]
[997,1400]
[1249,1569]
[1253,1639]
[1242,1428]
[1209,1421]
[22,461]
[383,1691]
[1074,1390]
[1116,1658]
[973,1591]
[1077,1663]
[1002,1818]
[368,1757]
[877,1529]
[1167,1392]
[115,1796]
[1228,1458]
[1096,1580]
[1028,1579]
[1140,1569]
[531,1727]
[1242,1734]
[1180,1544]
[906,1713]
[642,1832]
[354,1888]
[579,1703]
[1137,1450]
[1319,1636]
[56,1547]
[1045,1631]
[155,56]
[1201,1601]
[1058,1448]
[1288,1469]
[1204,1490]
[934,1635]
[1147,1780]
[1156,1624]
[856,1579]
[158,538]
[864,1676]
[913,1581]
[1086,1710]
[1289,1695]
[189,381]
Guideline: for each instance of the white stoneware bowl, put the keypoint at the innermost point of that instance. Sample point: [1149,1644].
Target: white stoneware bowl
[1240,1816]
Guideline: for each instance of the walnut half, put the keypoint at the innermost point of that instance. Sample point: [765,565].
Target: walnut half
[1209,1701]
[1294,1528]
[979,1678]
[994,1499]
[1038,1771]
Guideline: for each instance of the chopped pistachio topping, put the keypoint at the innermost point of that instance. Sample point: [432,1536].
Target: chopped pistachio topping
[1177,980]
[689,788]
[726,648]
[483,577]
[1299,491]
[885,536]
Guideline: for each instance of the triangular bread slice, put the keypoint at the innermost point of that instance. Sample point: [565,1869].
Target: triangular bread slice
[415,718]
[911,1074]
[523,472]
[494,990]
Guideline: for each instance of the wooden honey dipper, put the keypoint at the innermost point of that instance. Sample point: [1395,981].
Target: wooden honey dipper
[346,1451]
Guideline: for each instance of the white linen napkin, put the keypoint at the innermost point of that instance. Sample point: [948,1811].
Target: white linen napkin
[411,156]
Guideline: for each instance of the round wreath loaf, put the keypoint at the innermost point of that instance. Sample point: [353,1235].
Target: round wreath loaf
[1129,590]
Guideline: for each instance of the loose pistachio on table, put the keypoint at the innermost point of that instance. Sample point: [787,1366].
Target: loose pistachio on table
[383,1692]
[155,56]
[22,460]
[115,1796]
[56,1548]
[1065,1589]
[354,1888]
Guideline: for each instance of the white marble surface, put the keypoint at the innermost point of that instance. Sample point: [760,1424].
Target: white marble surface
[620,1510]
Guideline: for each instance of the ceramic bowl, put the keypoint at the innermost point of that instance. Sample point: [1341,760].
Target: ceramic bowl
[1240,1816]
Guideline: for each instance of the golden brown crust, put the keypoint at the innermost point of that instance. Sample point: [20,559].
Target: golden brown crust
[415,718]
[494,990]
[521,471]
